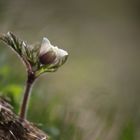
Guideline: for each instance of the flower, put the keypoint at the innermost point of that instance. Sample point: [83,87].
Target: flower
[51,55]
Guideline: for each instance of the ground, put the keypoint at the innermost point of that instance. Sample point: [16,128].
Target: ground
[12,128]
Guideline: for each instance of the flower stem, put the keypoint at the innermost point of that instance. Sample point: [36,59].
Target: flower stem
[26,96]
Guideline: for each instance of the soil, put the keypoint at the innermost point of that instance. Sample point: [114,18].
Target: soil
[13,128]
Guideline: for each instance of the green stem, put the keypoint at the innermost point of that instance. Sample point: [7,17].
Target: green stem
[26,96]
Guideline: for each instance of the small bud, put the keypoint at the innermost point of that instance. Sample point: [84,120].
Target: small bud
[50,54]
[47,58]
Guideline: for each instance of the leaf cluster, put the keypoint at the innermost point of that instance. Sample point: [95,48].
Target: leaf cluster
[29,54]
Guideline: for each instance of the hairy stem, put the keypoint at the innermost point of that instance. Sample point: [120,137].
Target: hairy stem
[26,96]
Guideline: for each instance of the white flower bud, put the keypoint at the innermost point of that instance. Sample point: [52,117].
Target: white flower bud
[50,54]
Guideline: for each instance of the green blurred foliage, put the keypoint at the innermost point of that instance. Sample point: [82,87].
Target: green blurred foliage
[12,93]
[57,119]
[128,131]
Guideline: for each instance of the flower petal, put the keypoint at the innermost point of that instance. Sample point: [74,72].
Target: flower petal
[61,56]
[61,53]
[45,46]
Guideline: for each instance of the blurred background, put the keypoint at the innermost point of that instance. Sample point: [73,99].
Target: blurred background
[96,94]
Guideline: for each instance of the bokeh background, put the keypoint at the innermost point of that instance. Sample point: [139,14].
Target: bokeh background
[96,94]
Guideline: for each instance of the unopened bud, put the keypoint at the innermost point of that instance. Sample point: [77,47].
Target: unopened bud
[51,55]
